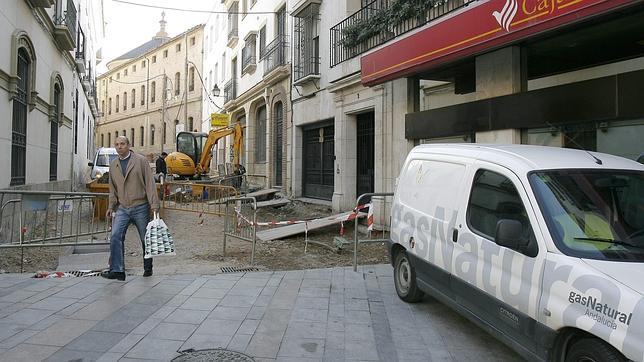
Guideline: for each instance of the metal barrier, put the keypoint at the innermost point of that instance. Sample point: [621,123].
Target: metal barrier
[197,197]
[50,218]
[241,222]
[239,182]
[378,201]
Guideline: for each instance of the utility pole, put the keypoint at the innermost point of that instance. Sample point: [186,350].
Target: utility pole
[164,95]
[185,86]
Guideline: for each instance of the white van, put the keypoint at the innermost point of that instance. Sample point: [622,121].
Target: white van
[102,159]
[542,247]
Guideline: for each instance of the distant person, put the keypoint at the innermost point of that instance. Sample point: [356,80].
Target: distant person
[238,172]
[132,197]
[161,167]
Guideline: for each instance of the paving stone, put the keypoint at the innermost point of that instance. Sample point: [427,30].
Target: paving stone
[248,326]
[72,309]
[361,350]
[264,345]
[251,282]
[226,327]
[61,332]
[332,354]
[313,292]
[356,304]
[97,310]
[27,316]
[249,291]
[147,325]
[53,303]
[127,343]
[236,313]
[312,303]
[314,330]
[210,293]
[9,329]
[177,300]
[268,290]
[173,331]
[196,303]
[263,301]
[152,348]
[110,357]
[204,341]
[28,353]
[239,342]
[302,348]
[187,316]
[46,323]
[219,284]
[274,321]
[163,312]
[357,316]
[316,283]
[17,338]
[95,341]
[17,296]
[237,301]
[360,332]
[256,312]
[309,315]
[153,299]
[119,323]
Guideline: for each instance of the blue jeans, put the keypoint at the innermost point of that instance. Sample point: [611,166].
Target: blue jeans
[140,217]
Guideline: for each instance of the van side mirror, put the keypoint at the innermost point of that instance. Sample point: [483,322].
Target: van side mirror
[509,233]
[90,164]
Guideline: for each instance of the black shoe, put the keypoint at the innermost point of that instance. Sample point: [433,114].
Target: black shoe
[147,273]
[113,275]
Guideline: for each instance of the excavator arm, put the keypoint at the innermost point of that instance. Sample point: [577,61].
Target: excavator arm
[214,136]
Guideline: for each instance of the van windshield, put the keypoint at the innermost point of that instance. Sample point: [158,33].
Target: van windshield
[104,159]
[596,214]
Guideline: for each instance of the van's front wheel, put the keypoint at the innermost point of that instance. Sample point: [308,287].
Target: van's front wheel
[593,349]
[405,279]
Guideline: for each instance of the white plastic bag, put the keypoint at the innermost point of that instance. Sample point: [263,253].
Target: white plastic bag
[158,240]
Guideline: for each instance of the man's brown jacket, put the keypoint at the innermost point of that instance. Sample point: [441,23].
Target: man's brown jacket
[136,187]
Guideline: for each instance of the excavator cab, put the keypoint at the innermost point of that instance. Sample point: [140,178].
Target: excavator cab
[191,144]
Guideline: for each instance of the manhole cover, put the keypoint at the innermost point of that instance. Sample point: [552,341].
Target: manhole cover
[217,354]
[233,269]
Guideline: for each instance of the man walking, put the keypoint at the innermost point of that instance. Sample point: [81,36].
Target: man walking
[161,167]
[132,195]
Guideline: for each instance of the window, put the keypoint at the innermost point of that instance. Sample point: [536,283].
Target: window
[109,105]
[165,53]
[103,106]
[141,133]
[125,72]
[124,133]
[213,76]
[154,59]
[118,75]
[102,140]
[190,124]
[143,64]
[248,54]
[177,84]
[178,47]
[260,135]
[117,103]
[142,96]
[153,91]
[134,68]
[165,127]
[53,134]
[193,41]
[110,79]
[307,56]
[152,135]
[132,136]
[494,197]
[109,139]
[124,101]
[223,67]
[116,135]
[191,79]
[133,95]
[262,41]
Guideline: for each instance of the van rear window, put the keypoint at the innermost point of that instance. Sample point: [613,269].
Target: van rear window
[103,160]
[596,214]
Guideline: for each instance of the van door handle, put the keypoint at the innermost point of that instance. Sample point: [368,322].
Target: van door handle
[455,235]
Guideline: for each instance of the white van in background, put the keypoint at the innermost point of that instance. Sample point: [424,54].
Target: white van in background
[543,247]
[102,159]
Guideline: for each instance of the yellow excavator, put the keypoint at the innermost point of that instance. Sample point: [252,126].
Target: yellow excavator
[194,151]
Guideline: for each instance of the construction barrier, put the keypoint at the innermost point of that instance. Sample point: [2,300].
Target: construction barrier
[202,198]
[51,218]
[239,182]
[240,222]
[379,204]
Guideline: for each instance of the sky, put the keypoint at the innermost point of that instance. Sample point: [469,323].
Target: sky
[128,26]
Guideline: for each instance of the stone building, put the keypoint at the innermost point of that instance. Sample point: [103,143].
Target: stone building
[47,91]
[152,92]
[247,57]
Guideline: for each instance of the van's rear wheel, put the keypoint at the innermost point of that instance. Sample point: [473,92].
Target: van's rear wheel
[593,350]
[405,279]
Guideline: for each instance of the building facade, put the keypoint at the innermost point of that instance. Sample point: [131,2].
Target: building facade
[48,91]
[152,92]
[248,56]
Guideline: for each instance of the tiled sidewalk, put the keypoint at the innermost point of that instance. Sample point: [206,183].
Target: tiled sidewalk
[306,315]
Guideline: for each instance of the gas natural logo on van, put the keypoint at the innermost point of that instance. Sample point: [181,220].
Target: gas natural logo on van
[600,312]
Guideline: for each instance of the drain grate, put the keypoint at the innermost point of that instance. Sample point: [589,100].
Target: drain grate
[235,269]
[84,273]
[218,354]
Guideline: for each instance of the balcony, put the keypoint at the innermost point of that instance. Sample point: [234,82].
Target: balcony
[249,61]
[230,90]
[381,21]
[233,25]
[274,54]
[80,52]
[41,3]
[65,25]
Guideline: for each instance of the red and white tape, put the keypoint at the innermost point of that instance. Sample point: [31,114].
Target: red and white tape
[349,217]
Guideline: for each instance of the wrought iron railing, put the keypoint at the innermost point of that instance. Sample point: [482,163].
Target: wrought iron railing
[230,90]
[374,25]
[274,54]
[80,45]
[232,33]
[248,56]
[306,57]
[67,17]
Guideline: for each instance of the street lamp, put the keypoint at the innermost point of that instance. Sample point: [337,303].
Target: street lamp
[215,91]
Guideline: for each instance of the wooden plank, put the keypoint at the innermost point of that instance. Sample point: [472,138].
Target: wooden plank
[263,192]
[273,203]
[289,230]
